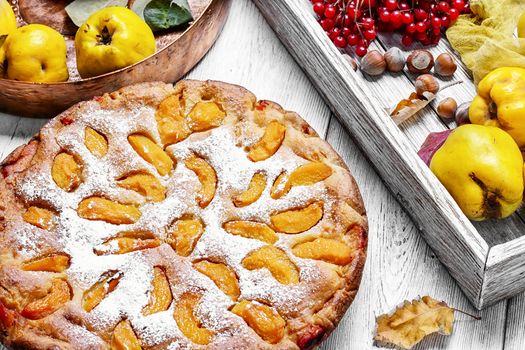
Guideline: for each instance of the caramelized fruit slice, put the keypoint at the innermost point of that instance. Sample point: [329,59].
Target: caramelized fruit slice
[98,208]
[160,297]
[145,184]
[222,275]
[269,143]
[251,229]
[304,175]
[39,217]
[264,320]
[279,186]
[94,295]
[95,142]
[171,122]
[276,261]
[124,337]
[189,325]
[66,172]
[205,115]
[151,153]
[254,191]
[185,234]
[52,263]
[58,295]
[207,178]
[127,245]
[298,220]
[329,250]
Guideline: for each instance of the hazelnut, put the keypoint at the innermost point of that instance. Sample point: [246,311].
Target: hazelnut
[426,83]
[420,62]
[462,116]
[395,60]
[446,108]
[445,65]
[351,61]
[373,63]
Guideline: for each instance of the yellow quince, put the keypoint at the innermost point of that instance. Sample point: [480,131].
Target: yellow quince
[36,53]
[521,25]
[112,38]
[7,26]
[482,168]
[501,102]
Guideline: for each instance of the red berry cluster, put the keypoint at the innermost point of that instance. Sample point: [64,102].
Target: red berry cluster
[356,22]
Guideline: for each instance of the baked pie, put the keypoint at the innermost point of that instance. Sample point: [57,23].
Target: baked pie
[177,217]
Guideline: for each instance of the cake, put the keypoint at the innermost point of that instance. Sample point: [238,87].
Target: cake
[177,217]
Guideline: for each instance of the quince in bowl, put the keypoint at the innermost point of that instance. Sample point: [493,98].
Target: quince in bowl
[98,58]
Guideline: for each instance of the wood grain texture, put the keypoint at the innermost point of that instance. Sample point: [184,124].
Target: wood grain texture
[400,264]
[454,239]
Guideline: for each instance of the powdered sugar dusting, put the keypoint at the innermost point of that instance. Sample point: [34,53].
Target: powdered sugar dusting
[80,238]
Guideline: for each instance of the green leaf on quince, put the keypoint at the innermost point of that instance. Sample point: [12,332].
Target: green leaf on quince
[166,14]
[80,10]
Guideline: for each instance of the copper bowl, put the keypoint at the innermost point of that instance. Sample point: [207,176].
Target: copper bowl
[177,53]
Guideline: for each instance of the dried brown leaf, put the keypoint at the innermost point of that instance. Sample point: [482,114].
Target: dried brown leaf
[409,107]
[412,321]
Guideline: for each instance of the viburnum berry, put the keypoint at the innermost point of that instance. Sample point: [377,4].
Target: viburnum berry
[356,23]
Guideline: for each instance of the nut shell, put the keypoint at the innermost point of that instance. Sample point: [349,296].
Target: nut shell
[426,83]
[373,63]
[462,116]
[395,60]
[420,62]
[446,108]
[445,65]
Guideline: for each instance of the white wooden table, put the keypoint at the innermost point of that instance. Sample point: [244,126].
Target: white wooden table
[400,265]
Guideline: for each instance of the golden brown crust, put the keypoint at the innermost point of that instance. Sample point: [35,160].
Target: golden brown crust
[309,322]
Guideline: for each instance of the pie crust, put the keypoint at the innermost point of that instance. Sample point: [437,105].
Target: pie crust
[177,217]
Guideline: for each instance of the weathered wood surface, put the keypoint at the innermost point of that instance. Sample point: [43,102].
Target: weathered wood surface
[400,265]
[360,102]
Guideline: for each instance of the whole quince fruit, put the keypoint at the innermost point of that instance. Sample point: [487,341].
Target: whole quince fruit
[112,38]
[521,25]
[36,53]
[501,102]
[7,26]
[482,168]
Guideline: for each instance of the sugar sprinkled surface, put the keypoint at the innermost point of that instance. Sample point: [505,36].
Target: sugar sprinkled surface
[78,237]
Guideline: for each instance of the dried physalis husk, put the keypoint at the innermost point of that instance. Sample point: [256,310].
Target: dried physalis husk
[58,295]
[276,261]
[222,275]
[264,320]
[188,323]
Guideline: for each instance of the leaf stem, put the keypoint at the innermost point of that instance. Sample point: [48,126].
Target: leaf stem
[468,314]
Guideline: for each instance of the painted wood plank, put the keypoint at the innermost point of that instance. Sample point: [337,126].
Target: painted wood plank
[494,231]
[453,238]
[401,266]
[514,334]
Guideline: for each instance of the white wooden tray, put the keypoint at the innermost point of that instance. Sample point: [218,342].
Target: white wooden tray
[487,259]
